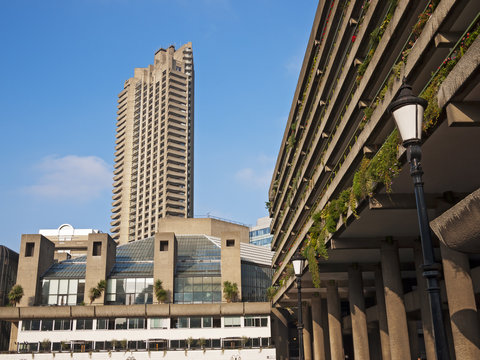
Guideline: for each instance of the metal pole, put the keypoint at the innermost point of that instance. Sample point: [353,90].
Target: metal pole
[300,323]
[430,268]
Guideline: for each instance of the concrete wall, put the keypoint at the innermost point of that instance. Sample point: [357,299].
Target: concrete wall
[164,261]
[99,265]
[231,263]
[32,265]
[207,226]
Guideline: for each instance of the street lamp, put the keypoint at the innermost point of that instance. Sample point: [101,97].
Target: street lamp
[407,110]
[298,262]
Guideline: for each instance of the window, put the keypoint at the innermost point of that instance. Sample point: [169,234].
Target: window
[230,242]
[29,249]
[136,323]
[256,321]
[47,325]
[62,324]
[120,323]
[163,245]
[84,324]
[30,325]
[97,248]
[195,322]
[105,324]
[62,291]
[232,321]
[159,323]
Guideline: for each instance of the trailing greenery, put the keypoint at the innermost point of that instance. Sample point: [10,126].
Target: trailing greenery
[230,291]
[432,112]
[271,292]
[15,295]
[160,293]
[375,37]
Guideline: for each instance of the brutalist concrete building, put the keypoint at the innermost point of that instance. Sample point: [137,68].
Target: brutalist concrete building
[342,187]
[57,314]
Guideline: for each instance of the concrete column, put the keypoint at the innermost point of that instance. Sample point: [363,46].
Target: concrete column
[326,335]
[394,305]
[382,315]
[317,328]
[307,334]
[12,346]
[357,313]
[413,332]
[461,304]
[279,320]
[424,304]
[334,322]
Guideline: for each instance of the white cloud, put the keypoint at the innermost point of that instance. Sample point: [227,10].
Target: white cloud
[79,178]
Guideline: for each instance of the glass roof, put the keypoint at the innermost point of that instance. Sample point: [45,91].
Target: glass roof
[197,255]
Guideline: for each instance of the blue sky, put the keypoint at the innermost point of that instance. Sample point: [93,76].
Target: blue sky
[64,62]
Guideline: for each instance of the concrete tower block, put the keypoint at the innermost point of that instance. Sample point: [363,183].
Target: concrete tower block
[165,253]
[101,253]
[36,256]
[231,266]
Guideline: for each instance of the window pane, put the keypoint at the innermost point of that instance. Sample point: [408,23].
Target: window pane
[120,323]
[63,286]
[183,322]
[72,299]
[111,285]
[47,325]
[102,323]
[207,322]
[195,322]
[139,285]
[120,286]
[73,285]
[35,325]
[130,288]
[53,287]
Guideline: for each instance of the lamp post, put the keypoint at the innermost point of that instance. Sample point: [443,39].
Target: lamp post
[407,111]
[298,262]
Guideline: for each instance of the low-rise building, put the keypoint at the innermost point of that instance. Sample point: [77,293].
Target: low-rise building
[60,312]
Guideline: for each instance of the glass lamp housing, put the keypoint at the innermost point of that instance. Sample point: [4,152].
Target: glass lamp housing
[407,111]
[298,262]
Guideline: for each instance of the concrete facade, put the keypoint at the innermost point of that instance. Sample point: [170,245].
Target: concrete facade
[153,171]
[126,317]
[333,182]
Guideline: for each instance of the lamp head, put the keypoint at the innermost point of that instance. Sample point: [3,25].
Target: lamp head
[298,262]
[407,111]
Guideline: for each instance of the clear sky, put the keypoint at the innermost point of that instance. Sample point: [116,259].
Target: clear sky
[64,62]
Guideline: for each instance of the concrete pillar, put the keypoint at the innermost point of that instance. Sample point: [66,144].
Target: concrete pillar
[12,346]
[394,305]
[382,315]
[101,256]
[164,256]
[413,332]
[326,335]
[357,314]
[424,304]
[334,322]
[279,319]
[34,259]
[307,333]
[461,304]
[231,267]
[317,328]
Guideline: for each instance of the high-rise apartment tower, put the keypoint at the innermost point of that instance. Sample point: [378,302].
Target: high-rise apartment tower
[153,176]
